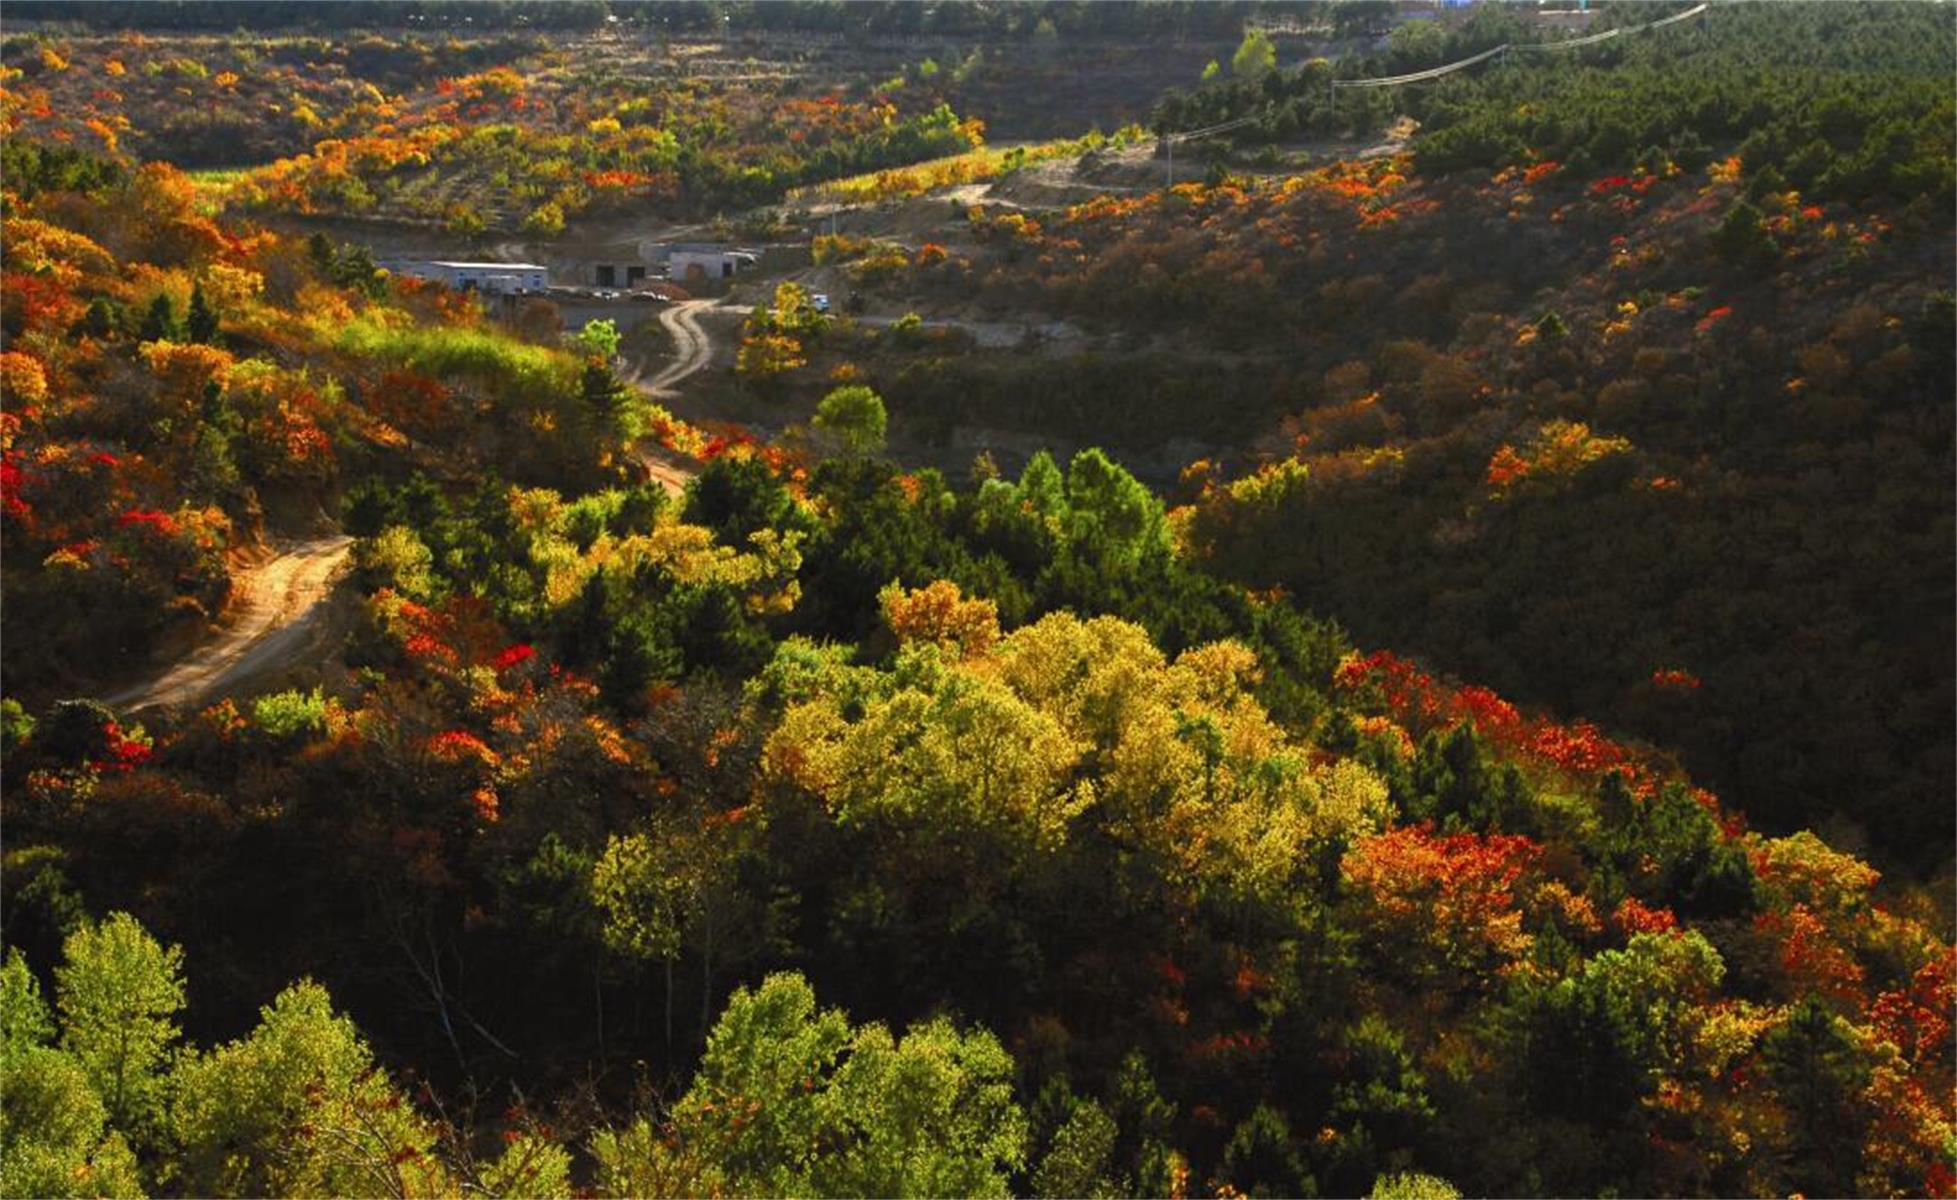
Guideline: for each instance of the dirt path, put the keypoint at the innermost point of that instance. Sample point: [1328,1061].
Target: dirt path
[694,348]
[280,603]
[667,467]
[695,351]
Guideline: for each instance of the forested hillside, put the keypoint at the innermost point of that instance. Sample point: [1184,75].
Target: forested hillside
[1675,406]
[1469,783]
[495,134]
[172,383]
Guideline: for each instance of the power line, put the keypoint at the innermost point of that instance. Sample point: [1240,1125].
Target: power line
[1504,48]
[1592,40]
[1417,76]
[1169,140]
[1690,12]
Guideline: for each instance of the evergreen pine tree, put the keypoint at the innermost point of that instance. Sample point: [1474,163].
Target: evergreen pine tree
[202,322]
[103,319]
[1743,239]
[160,322]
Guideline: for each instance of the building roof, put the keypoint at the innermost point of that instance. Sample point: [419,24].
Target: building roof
[486,266]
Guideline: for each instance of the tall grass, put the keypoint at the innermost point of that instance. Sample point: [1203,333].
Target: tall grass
[215,186]
[503,362]
[973,166]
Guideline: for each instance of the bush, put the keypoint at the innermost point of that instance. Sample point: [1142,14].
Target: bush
[546,220]
[854,417]
[16,726]
[290,714]
[1742,239]
[398,559]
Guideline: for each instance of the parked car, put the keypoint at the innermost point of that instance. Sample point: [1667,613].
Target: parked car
[821,302]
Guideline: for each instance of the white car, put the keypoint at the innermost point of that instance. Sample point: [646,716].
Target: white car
[820,301]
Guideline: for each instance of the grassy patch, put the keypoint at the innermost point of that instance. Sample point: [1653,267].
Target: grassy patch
[215,186]
[973,166]
[499,360]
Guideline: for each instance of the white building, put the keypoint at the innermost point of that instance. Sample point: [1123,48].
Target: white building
[494,277]
[689,261]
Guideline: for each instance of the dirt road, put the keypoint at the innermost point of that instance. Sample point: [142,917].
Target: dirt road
[667,467]
[694,348]
[695,351]
[279,604]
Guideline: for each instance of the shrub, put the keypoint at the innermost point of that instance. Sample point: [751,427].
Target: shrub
[855,417]
[290,714]
[1742,239]
[546,220]
[397,558]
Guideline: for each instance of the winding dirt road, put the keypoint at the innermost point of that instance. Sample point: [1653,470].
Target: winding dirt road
[280,604]
[695,351]
[682,320]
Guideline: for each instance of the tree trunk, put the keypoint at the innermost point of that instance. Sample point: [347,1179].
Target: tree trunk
[706,979]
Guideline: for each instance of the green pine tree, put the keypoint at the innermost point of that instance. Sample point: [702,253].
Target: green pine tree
[202,322]
[160,322]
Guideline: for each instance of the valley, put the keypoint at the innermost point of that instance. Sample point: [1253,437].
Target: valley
[1256,598]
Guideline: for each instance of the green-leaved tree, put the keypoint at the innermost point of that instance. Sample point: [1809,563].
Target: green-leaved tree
[297,1107]
[854,418]
[1255,55]
[54,1135]
[791,1100]
[119,993]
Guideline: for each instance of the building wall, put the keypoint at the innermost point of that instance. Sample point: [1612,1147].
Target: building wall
[681,264]
[486,280]
[497,281]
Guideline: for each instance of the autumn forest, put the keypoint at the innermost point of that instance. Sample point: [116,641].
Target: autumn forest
[1255,598]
